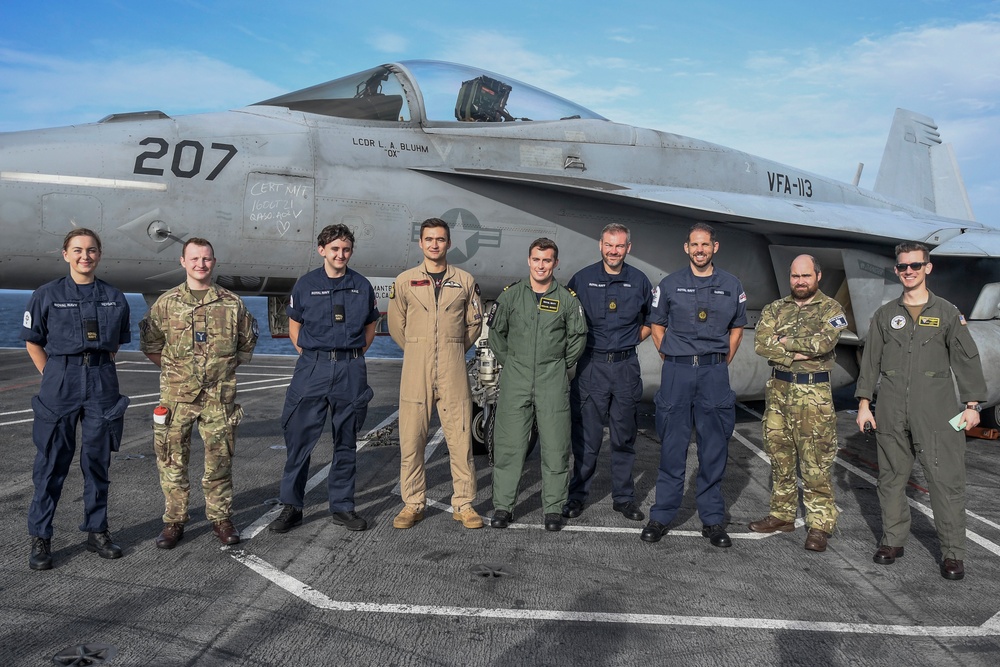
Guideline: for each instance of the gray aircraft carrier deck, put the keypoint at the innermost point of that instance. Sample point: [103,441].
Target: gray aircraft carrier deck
[438,594]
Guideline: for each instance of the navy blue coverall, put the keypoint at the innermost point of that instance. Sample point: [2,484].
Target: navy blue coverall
[330,376]
[699,313]
[608,381]
[80,327]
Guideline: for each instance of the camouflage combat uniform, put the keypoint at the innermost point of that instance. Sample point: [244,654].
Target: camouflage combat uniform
[800,423]
[201,343]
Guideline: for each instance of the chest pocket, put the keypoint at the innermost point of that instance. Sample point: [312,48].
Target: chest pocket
[65,329]
[683,317]
[934,360]
[598,300]
[722,309]
[109,319]
[180,335]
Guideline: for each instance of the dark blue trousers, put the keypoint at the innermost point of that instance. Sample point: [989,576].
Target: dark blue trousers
[319,387]
[604,391]
[698,397]
[73,394]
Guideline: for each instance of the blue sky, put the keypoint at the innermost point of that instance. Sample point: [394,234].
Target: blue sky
[813,85]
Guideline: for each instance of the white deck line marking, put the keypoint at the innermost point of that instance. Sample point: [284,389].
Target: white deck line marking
[319,600]
[309,595]
[260,524]
[989,545]
[241,388]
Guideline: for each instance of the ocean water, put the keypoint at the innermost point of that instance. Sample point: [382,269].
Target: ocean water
[13,303]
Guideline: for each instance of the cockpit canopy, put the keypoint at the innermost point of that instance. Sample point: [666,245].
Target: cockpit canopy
[445,91]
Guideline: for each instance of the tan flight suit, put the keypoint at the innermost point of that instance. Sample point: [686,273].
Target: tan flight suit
[434,336]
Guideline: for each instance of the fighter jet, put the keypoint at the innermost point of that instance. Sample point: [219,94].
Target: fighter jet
[504,163]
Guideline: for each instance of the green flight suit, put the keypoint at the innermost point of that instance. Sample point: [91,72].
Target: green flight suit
[800,423]
[919,364]
[536,341]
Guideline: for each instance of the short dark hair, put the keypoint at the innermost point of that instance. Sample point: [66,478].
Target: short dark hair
[702,227]
[82,231]
[913,246]
[195,240]
[617,228]
[435,222]
[544,244]
[333,233]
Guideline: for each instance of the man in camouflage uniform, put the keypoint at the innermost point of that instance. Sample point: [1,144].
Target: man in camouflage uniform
[797,335]
[197,333]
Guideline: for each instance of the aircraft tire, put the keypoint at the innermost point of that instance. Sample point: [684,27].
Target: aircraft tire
[479,432]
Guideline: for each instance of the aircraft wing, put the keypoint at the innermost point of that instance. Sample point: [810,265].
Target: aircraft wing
[771,214]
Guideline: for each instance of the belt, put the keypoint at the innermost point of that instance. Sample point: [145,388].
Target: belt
[801,378]
[98,358]
[333,355]
[610,357]
[698,359]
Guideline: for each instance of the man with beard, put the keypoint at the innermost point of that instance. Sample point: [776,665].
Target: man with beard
[616,299]
[797,335]
[697,323]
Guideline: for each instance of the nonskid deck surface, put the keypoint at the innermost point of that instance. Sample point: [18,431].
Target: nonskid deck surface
[440,594]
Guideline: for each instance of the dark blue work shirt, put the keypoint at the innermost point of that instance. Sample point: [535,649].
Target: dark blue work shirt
[333,312]
[698,312]
[61,315]
[616,306]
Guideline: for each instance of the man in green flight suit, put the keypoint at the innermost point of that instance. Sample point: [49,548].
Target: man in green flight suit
[797,335]
[920,347]
[537,332]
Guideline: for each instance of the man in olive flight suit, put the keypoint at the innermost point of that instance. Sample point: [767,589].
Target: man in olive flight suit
[797,335]
[537,332]
[920,347]
[435,316]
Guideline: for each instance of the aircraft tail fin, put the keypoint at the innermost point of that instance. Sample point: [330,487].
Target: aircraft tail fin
[918,169]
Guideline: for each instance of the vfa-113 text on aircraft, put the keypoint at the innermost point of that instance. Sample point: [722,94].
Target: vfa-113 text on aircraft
[504,163]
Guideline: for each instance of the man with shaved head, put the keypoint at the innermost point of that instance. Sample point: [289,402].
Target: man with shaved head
[797,335]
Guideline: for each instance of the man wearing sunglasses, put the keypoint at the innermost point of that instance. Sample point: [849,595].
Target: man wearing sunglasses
[920,347]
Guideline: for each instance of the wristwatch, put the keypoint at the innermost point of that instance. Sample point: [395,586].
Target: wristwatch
[978,407]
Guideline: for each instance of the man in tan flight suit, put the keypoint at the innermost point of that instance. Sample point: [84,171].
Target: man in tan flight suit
[435,316]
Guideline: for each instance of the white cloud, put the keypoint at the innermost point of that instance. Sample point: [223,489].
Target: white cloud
[37,91]
[387,42]
[827,111]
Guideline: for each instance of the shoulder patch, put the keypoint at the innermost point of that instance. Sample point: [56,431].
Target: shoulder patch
[493,311]
[838,322]
[477,289]
[743,297]
[656,296]
[27,320]
[392,291]
[961,319]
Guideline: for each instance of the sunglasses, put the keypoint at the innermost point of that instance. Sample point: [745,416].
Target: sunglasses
[916,266]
